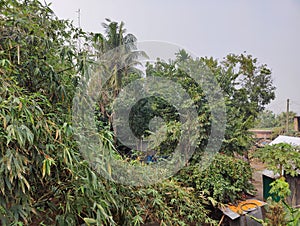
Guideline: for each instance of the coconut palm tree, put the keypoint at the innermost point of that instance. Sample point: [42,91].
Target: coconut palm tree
[117,51]
[123,53]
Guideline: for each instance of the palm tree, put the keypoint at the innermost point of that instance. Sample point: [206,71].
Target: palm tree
[124,54]
[121,57]
[182,56]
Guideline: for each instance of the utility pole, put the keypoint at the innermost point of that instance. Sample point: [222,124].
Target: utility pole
[79,26]
[287,116]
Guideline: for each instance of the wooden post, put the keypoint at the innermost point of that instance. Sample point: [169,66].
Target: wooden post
[79,26]
[287,116]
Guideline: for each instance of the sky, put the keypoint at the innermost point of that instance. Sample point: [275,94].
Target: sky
[269,30]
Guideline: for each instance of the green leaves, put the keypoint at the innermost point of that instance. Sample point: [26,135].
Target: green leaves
[35,82]
[42,172]
[280,213]
[226,179]
[21,134]
[46,170]
[279,157]
[280,188]
[168,203]
[90,221]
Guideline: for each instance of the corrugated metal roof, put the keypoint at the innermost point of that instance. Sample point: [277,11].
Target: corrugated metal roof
[295,141]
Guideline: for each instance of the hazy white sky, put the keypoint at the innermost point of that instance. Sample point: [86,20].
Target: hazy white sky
[267,29]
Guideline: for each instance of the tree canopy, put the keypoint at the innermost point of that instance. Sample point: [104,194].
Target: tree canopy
[43,176]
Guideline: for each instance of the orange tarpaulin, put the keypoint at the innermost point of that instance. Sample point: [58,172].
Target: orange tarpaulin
[243,207]
[246,206]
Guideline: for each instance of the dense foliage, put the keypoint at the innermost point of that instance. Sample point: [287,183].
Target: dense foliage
[268,119]
[226,179]
[43,176]
[279,157]
[283,159]
[246,85]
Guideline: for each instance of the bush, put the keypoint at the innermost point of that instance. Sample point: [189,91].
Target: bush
[226,179]
[168,203]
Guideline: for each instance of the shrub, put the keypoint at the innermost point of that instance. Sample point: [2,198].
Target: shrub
[226,179]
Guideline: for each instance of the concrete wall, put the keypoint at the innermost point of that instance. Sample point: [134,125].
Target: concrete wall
[262,134]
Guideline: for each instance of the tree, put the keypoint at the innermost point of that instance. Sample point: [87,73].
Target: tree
[125,52]
[281,119]
[43,177]
[279,157]
[240,78]
[251,83]
[248,88]
[28,43]
[40,164]
[120,69]
[266,119]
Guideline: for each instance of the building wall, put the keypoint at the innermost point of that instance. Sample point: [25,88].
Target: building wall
[262,134]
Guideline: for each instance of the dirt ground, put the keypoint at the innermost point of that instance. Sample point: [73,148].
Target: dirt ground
[257,167]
